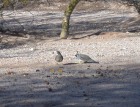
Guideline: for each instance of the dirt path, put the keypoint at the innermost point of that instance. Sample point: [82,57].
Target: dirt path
[30,77]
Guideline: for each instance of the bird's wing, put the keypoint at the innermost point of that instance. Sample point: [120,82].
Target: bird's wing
[84,57]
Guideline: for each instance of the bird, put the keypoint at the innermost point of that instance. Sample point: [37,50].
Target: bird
[84,58]
[58,57]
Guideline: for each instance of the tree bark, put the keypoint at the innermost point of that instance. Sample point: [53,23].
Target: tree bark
[65,23]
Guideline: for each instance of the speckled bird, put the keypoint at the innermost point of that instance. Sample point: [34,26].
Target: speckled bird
[85,58]
[58,57]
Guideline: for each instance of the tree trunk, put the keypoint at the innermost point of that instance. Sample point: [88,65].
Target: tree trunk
[65,23]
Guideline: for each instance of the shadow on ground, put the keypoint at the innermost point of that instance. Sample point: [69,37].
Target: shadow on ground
[49,24]
[42,26]
[73,87]
[9,45]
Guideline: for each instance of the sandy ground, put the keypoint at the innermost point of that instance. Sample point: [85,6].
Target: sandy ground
[30,77]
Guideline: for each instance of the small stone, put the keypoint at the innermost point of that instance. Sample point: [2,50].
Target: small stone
[47,83]
[25,74]
[50,89]
[37,70]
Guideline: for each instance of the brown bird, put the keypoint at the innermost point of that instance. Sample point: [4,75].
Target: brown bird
[59,57]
